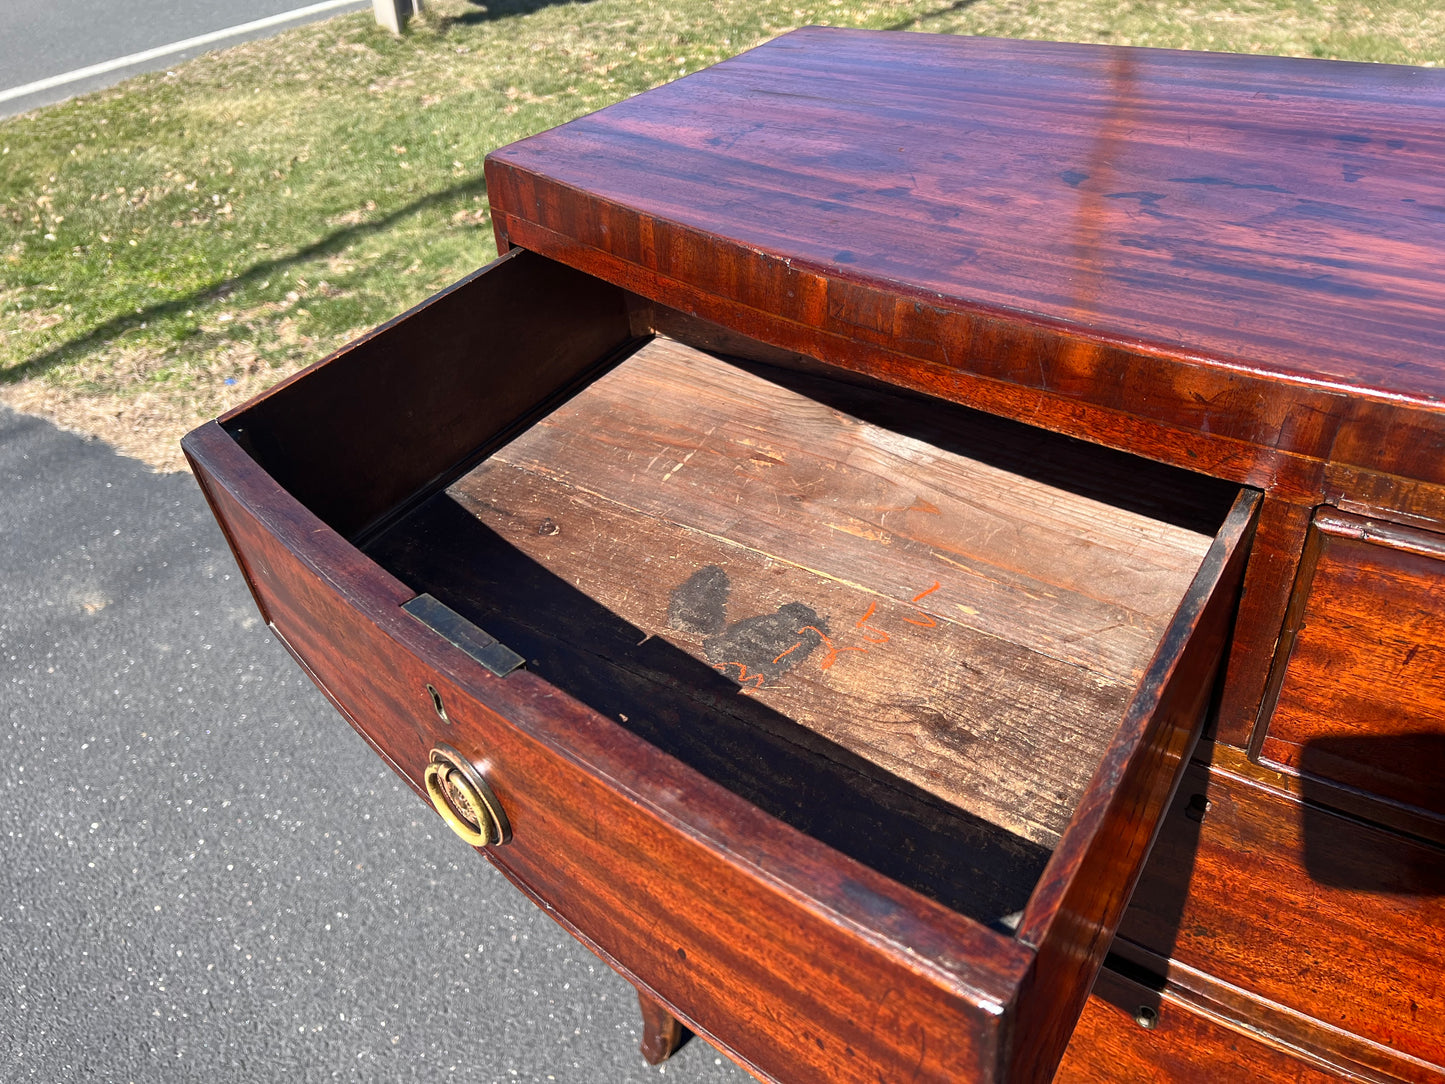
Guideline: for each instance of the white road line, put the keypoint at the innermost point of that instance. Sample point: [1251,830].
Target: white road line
[167,50]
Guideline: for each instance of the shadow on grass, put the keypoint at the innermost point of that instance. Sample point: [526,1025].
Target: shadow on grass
[489,11]
[334,242]
[928,16]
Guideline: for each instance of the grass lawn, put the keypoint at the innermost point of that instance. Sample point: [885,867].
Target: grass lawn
[174,245]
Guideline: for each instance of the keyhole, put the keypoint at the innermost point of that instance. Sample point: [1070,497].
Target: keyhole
[436,702]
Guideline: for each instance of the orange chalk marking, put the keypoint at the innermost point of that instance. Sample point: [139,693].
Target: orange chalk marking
[785,654]
[925,594]
[743,676]
[882,637]
[832,650]
[927,622]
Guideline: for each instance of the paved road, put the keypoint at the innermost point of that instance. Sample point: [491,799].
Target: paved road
[40,40]
[205,875]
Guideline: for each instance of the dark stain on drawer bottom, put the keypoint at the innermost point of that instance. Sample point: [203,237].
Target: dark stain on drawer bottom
[694,712]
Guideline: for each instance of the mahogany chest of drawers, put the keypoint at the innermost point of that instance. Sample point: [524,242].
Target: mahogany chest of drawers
[807,560]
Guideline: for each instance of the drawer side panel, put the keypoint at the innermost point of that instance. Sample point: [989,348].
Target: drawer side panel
[417,399]
[1083,893]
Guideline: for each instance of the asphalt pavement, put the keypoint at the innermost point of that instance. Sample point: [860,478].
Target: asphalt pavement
[42,40]
[205,875]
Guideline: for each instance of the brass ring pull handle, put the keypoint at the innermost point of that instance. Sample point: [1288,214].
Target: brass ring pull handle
[463,799]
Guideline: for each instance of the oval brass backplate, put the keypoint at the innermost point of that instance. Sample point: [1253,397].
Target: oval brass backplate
[463,799]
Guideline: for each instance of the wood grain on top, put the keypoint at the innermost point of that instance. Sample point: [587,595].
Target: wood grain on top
[1222,220]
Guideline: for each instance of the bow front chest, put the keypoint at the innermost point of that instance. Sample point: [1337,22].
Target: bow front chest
[927,554]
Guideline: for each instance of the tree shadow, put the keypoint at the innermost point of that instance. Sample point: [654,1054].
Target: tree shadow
[929,16]
[333,242]
[489,11]
[1406,769]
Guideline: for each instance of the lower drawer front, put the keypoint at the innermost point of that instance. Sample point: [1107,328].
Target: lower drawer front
[1326,916]
[1179,1045]
[796,987]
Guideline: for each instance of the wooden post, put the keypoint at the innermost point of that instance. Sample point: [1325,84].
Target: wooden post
[393,14]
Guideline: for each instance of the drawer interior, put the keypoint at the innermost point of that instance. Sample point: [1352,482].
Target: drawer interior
[965,659]
[906,628]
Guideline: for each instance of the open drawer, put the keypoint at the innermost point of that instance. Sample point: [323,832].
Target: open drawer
[840,720]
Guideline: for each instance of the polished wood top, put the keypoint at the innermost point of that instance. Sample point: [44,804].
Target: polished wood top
[1254,218]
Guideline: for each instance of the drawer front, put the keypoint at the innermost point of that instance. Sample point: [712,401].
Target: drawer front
[1360,681]
[1179,1045]
[1335,920]
[801,964]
